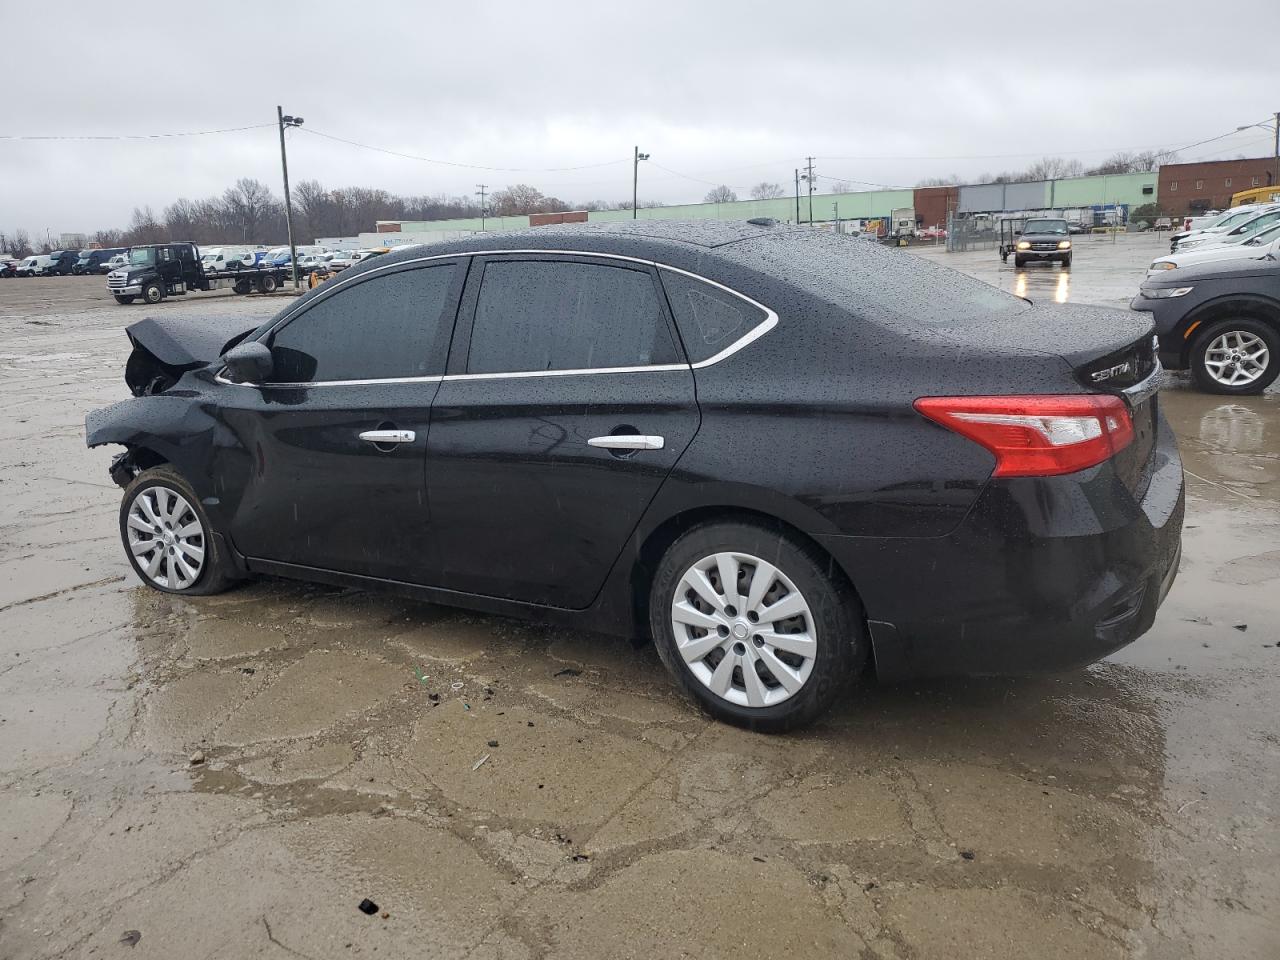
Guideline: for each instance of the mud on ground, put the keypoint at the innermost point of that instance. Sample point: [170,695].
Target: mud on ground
[341,745]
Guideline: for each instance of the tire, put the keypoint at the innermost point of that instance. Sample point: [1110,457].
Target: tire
[242,286]
[1066,262]
[125,299]
[153,293]
[268,283]
[831,616]
[152,491]
[1250,349]
[1019,261]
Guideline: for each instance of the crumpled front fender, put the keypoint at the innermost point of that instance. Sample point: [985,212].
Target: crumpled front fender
[169,427]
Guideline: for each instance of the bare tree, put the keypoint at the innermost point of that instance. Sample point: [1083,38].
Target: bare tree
[764,190]
[841,186]
[144,227]
[109,238]
[249,205]
[17,244]
[720,194]
[950,180]
[517,200]
[1053,168]
[1146,161]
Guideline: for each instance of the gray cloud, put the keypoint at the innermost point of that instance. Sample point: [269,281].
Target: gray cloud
[722,92]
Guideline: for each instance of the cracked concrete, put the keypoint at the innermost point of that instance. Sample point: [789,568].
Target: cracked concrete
[1127,810]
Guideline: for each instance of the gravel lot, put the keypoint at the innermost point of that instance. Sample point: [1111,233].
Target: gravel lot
[1126,810]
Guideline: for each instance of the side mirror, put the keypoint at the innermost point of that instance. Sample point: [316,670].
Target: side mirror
[248,362]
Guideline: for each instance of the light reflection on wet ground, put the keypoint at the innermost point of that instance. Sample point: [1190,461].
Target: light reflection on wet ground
[1127,810]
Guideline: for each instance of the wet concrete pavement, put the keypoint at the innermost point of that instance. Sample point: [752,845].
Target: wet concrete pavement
[1126,810]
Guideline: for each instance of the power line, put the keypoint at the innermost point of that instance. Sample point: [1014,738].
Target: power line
[137,136]
[466,166]
[685,176]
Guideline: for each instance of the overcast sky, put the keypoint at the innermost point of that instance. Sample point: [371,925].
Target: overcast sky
[723,92]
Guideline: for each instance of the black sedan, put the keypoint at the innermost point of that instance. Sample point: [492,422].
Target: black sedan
[780,453]
[1219,320]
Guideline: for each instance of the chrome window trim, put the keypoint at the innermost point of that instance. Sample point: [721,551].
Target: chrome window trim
[755,333]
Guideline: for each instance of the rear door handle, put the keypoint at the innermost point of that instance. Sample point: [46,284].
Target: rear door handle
[388,436]
[628,441]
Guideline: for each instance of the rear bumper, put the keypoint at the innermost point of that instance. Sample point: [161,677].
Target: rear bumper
[1043,574]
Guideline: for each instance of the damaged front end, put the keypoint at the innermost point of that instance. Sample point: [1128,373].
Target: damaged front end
[160,424]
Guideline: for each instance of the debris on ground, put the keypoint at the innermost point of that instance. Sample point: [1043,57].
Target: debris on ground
[368,907]
[967,854]
[567,672]
[196,758]
[248,671]
[131,937]
[493,743]
[479,763]
[1242,627]
[422,677]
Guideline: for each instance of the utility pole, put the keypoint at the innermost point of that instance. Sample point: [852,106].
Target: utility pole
[809,177]
[797,196]
[285,121]
[1276,179]
[635,182]
[480,194]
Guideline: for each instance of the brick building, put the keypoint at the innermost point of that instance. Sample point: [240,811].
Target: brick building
[932,204]
[1194,187]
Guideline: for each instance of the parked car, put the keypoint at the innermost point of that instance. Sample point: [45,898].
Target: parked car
[1220,320]
[9,266]
[1239,231]
[341,260]
[115,262]
[309,262]
[1218,224]
[35,266]
[739,475]
[1264,243]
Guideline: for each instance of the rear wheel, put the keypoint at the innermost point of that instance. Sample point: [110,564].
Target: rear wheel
[1239,355]
[168,538]
[753,626]
[268,283]
[125,299]
[153,293]
[242,286]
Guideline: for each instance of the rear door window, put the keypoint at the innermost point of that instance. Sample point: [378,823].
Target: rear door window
[709,318]
[537,315]
[390,326]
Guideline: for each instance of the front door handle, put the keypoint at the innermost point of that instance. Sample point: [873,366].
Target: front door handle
[387,436]
[628,441]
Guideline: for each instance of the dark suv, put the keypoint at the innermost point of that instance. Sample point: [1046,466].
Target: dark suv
[1043,239]
[777,451]
[63,263]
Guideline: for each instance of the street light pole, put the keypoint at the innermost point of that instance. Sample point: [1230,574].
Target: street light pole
[635,182]
[480,194]
[284,121]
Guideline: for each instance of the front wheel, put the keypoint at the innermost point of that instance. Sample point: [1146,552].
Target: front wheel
[1237,356]
[153,293]
[753,626]
[1066,262]
[124,299]
[168,538]
[1019,261]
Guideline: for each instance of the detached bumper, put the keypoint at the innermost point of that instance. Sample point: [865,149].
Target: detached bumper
[1043,574]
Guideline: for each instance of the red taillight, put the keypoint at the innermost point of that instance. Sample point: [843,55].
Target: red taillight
[1037,436]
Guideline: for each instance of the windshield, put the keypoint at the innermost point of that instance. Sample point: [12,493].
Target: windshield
[1234,218]
[1046,226]
[142,257]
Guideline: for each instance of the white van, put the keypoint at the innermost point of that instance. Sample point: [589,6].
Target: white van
[226,258]
[34,266]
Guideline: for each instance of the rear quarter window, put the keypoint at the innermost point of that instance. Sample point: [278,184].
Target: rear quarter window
[709,318]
